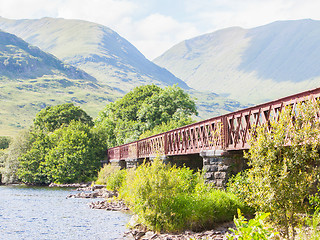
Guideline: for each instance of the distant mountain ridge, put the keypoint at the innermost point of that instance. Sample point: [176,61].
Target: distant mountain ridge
[250,65]
[19,59]
[93,48]
[31,79]
[116,64]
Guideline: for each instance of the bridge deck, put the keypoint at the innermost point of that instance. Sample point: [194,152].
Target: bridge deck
[226,132]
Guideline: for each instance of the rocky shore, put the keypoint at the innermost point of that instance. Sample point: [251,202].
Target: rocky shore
[110,203]
[219,233]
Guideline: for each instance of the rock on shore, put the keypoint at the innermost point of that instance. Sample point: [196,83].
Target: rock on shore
[220,233]
[93,192]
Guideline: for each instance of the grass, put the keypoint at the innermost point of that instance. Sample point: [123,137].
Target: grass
[21,100]
[171,199]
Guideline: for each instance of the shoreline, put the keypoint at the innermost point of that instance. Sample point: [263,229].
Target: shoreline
[137,231]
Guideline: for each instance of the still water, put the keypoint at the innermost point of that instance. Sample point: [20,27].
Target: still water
[45,213]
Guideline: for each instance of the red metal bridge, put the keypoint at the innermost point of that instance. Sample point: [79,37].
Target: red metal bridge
[227,132]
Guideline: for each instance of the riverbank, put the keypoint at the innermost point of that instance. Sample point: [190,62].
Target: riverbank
[137,231]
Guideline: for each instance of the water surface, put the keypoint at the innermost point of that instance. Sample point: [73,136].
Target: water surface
[45,213]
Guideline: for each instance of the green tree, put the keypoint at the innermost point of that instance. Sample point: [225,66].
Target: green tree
[75,154]
[32,168]
[63,146]
[52,118]
[170,104]
[18,146]
[143,109]
[284,162]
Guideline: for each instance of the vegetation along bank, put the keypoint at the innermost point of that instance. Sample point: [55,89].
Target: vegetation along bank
[65,145]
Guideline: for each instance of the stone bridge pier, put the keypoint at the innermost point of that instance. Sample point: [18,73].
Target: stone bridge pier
[218,165]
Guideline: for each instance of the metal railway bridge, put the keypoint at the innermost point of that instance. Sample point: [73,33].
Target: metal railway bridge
[211,138]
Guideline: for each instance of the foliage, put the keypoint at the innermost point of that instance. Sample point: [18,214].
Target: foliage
[52,118]
[282,177]
[239,185]
[17,147]
[254,229]
[164,127]
[4,142]
[63,147]
[32,169]
[143,109]
[73,155]
[174,199]
[111,176]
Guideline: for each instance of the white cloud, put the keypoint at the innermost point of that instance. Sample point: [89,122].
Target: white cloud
[19,9]
[154,26]
[157,33]
[107,12]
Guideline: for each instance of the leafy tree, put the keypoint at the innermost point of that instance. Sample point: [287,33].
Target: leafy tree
[10,158]
[143,109]
[63,146]
[170,104]
[74,155]
[32,169]
[281,176]
[52,118]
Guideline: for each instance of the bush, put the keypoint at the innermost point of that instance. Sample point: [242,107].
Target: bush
[281,176]
[173,199]
[254,229]
[4,142]
[111,176]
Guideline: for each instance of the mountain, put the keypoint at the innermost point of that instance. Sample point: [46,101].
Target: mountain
[110,66]
[18,59]
[250,65]
[31,79]
[94,48]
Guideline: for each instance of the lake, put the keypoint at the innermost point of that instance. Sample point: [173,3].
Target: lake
[45,213]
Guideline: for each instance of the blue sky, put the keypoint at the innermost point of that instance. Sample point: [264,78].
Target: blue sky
[154,26]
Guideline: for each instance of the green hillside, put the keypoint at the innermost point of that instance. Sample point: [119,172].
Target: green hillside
[31,79]
[35,79]
[251,65]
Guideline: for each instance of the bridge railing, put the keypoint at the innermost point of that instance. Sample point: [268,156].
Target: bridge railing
[226,132]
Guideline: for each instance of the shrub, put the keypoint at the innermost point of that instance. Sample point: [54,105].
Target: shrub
[111,176]
[4,142]
[172,199]
[281,176]
[254,229]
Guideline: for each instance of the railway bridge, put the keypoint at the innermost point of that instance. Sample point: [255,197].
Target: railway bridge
[215,144]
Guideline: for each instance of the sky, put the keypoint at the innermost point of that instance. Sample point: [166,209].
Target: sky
[153,26]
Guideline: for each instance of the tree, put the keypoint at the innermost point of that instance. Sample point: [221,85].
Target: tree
[170,104]
[52,118]
[284,161]
[143,109]
[75,154]
[63,146]
[10,158]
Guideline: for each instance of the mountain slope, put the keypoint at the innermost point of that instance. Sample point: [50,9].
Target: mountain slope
[250,65]
[93,48]
[18,59]
[31,79]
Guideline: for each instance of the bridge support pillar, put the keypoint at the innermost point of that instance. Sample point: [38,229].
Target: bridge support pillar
[220,166]
[120,163]
[131,163]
